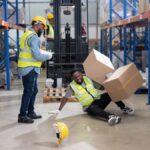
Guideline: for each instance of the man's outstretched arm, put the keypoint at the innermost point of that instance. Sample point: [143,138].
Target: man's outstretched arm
[62,104]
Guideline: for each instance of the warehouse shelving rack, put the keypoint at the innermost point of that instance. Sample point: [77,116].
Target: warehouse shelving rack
[106,29]
[131,24]
[4,27]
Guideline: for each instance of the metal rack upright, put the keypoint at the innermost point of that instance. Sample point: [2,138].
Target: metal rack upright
[127,41]
[5,26]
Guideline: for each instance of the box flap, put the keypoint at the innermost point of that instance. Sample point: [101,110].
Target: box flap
[103,59]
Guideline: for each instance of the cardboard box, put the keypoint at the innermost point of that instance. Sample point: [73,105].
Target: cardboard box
[116,41]
[123,82]
[143,6]
[97,66]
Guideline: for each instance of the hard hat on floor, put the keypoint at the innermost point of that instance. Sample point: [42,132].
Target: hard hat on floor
[62,131]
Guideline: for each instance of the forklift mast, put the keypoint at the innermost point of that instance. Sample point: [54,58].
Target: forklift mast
[70,52]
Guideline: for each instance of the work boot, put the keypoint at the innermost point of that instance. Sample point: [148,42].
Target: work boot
[34,116]
[25,119]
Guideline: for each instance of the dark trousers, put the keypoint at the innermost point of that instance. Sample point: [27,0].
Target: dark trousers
[29,93]
[97,107]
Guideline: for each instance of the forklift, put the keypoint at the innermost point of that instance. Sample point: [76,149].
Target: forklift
[70,48]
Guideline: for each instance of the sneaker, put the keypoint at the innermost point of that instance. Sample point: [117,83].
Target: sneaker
[128,110]
[25,119]
[118,119]
[112,120]
[34,116]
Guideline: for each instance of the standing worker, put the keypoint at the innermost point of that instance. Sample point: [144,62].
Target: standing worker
[89,97]
[29,63]
[49,32]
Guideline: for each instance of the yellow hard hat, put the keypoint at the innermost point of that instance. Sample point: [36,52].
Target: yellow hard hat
[50,16]
[62,131]
[41,19]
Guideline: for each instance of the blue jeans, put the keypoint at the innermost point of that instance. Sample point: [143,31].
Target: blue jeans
[29,93]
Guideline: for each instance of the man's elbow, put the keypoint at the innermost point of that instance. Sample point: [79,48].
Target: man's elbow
[39,57]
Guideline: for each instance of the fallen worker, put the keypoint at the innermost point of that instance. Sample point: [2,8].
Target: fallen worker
[91,100]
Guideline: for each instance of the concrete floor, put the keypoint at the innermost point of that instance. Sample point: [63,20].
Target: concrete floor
[86,133]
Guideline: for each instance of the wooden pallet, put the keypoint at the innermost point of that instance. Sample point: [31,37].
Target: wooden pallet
[55,95]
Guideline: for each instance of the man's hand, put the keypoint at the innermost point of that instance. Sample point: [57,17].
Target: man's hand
[50,54]
[54,112]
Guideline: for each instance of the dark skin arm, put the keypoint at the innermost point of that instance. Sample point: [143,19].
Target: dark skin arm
[62,104]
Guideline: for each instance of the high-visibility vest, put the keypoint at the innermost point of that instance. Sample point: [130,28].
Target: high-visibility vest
[26,58]
[51,31]
[84,97]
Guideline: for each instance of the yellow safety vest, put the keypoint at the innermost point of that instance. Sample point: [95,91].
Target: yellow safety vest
[26,58]
[51,31]
[84,97]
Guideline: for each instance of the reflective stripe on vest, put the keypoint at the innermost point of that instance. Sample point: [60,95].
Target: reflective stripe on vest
[51,31]
[26,58]
[89,85]
[82,95]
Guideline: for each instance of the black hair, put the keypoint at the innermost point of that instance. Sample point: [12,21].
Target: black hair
[75,70]
[33,22]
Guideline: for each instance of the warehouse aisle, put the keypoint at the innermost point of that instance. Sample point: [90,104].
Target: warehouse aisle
[133,133]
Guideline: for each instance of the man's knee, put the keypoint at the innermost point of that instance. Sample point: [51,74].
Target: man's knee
[107,97]
[92,109]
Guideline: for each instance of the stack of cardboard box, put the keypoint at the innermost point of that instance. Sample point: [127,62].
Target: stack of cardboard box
[121,84]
